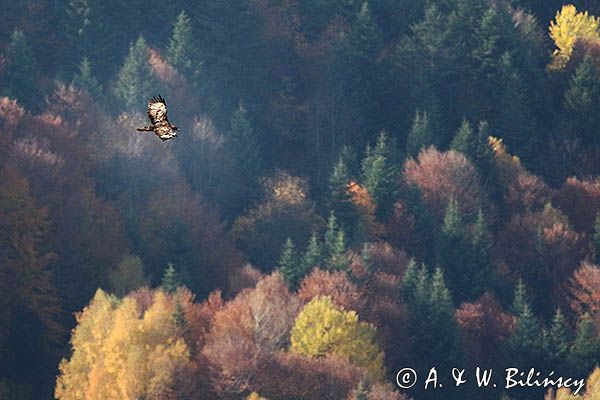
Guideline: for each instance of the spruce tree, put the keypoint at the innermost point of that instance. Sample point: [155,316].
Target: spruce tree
[480,258]
[596,239]
[557,342]
[331,233]
[20,71]
[134,80]
[85,80]
[170,280]
[435,337]
[340,200]
[338,260]
[585,350]
[420,134]
[581,99]
[474,145]
[244,146]
[380,175]
[524,347]
[181,52]
[513,120]
[289,266]
[313,255]
[452,253]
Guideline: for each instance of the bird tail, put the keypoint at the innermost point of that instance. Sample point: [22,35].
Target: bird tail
[145,129]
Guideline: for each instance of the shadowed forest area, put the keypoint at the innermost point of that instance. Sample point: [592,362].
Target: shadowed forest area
[356,187]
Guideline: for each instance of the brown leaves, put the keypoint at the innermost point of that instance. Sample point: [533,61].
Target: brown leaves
[585,291]
[246,330]
[335,284]
[445,176]
[580,200]
[486,326]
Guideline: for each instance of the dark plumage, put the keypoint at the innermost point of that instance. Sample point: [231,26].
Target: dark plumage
[157,113]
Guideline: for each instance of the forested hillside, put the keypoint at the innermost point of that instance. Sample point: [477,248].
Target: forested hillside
[357,187]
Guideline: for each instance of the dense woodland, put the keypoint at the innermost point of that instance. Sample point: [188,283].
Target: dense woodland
[357,187]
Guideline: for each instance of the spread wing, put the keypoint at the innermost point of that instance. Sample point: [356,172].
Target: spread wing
[157,111]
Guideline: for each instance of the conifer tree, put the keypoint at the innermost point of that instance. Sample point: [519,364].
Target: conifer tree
[420,134]
[181,52]
[20,70]
[525,345]
[480,257]
[596,239]
[312,256]
[340,200]
[474,145]
[170,280]
[244,146]
[513,119]
[288,264]
[134,80]
[85,80]
[380,174]
[338,260]
[435,338]
[581,99]
[335,246]
[557,342]
[330,233]
[585,350]
[89,28]
[452,253]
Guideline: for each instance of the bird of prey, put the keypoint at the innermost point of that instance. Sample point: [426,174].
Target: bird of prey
[157,113]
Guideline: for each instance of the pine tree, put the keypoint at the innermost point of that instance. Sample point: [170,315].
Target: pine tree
[312,256]
[585,351]
[85,80]
[89,29]
[134,80]
[513,120]
[581,99]
[520,301]
[380,175]
[340,200]
[288,264]
[330,233]
[244,146]
[480,257]
[474,145]
[435,338]
[179,314]
[557,342]
[525,346]
[20,71]
[420,134]
[596,239]
[338,260]
[170,280]
[465,141]
[181,52]
[452,253]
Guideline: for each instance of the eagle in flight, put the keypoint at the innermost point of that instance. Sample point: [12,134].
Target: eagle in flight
[157,113]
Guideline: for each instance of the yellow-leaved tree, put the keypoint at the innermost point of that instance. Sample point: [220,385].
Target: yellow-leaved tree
[592,390]
[568,26]
[120,352]
[323,329]
[255,396]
